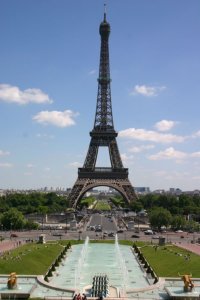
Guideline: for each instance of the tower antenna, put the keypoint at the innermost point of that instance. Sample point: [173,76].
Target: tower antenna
[104,12]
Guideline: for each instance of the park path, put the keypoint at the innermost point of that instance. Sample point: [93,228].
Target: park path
[195,248]
[7,245]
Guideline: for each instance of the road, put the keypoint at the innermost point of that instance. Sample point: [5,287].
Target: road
[108,224]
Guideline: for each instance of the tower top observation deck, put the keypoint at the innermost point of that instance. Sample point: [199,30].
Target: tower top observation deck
[104,28]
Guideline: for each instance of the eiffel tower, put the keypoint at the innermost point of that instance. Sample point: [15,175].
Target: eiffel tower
[103,135]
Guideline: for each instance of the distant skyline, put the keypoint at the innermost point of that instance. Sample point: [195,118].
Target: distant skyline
[49,60]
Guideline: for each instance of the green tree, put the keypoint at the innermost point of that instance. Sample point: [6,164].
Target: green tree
[178,222]
[159,217]
[13,219]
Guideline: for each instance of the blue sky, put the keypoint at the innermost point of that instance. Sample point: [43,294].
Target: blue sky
[49,61]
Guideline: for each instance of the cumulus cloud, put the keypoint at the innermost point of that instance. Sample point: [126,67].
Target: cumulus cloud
[4,153]
[56,118]
[149,135]
[138,149]
[6,165]
[165,125]
[169,153]
[147,91]
[12,94]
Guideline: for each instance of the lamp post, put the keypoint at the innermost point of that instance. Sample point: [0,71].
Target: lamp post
[79,235]
[2,232]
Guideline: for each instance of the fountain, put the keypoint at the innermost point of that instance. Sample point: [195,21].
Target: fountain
[92,269]
[121,261]
[81,262]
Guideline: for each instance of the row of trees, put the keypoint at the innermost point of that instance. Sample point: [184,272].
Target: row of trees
[14,207]
[14,219]
[161,217]
[34,202]
[176,212]
[183,205]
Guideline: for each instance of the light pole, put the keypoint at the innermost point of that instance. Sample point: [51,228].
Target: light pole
[2,232]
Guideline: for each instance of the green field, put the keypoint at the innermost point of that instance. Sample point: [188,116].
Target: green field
[169,260]
[30,259]
[102,205]
[35,259]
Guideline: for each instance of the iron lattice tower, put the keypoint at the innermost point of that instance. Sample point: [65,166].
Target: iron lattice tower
[103,135]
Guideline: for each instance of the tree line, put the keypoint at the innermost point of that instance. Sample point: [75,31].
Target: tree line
[176,212]
[14,207]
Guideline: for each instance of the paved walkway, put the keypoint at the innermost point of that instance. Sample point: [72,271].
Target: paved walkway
[7,245]
[195,248]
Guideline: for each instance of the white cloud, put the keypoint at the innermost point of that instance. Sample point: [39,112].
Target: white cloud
[47,169]
[165,125]
[57,118]
[12,94]
[196,134]
[196,154]
[149,135]
[126,158]
[169,153]
[141,148]
[92,72]
[4,153]
[6,165]
[148,91]
[75,164]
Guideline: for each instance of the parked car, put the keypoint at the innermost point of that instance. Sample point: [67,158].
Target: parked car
[57,234]
[120,231]
[148,232]
[111,234]
[136,236]
[98,229]
[13,235]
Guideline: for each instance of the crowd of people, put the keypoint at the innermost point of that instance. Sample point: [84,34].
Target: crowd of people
[80,297]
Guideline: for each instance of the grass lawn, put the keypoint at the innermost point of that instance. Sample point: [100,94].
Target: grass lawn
[31,259]
[102,205]
[168,261]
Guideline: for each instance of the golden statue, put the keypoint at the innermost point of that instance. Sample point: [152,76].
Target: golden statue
[188,284]
[12,281]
